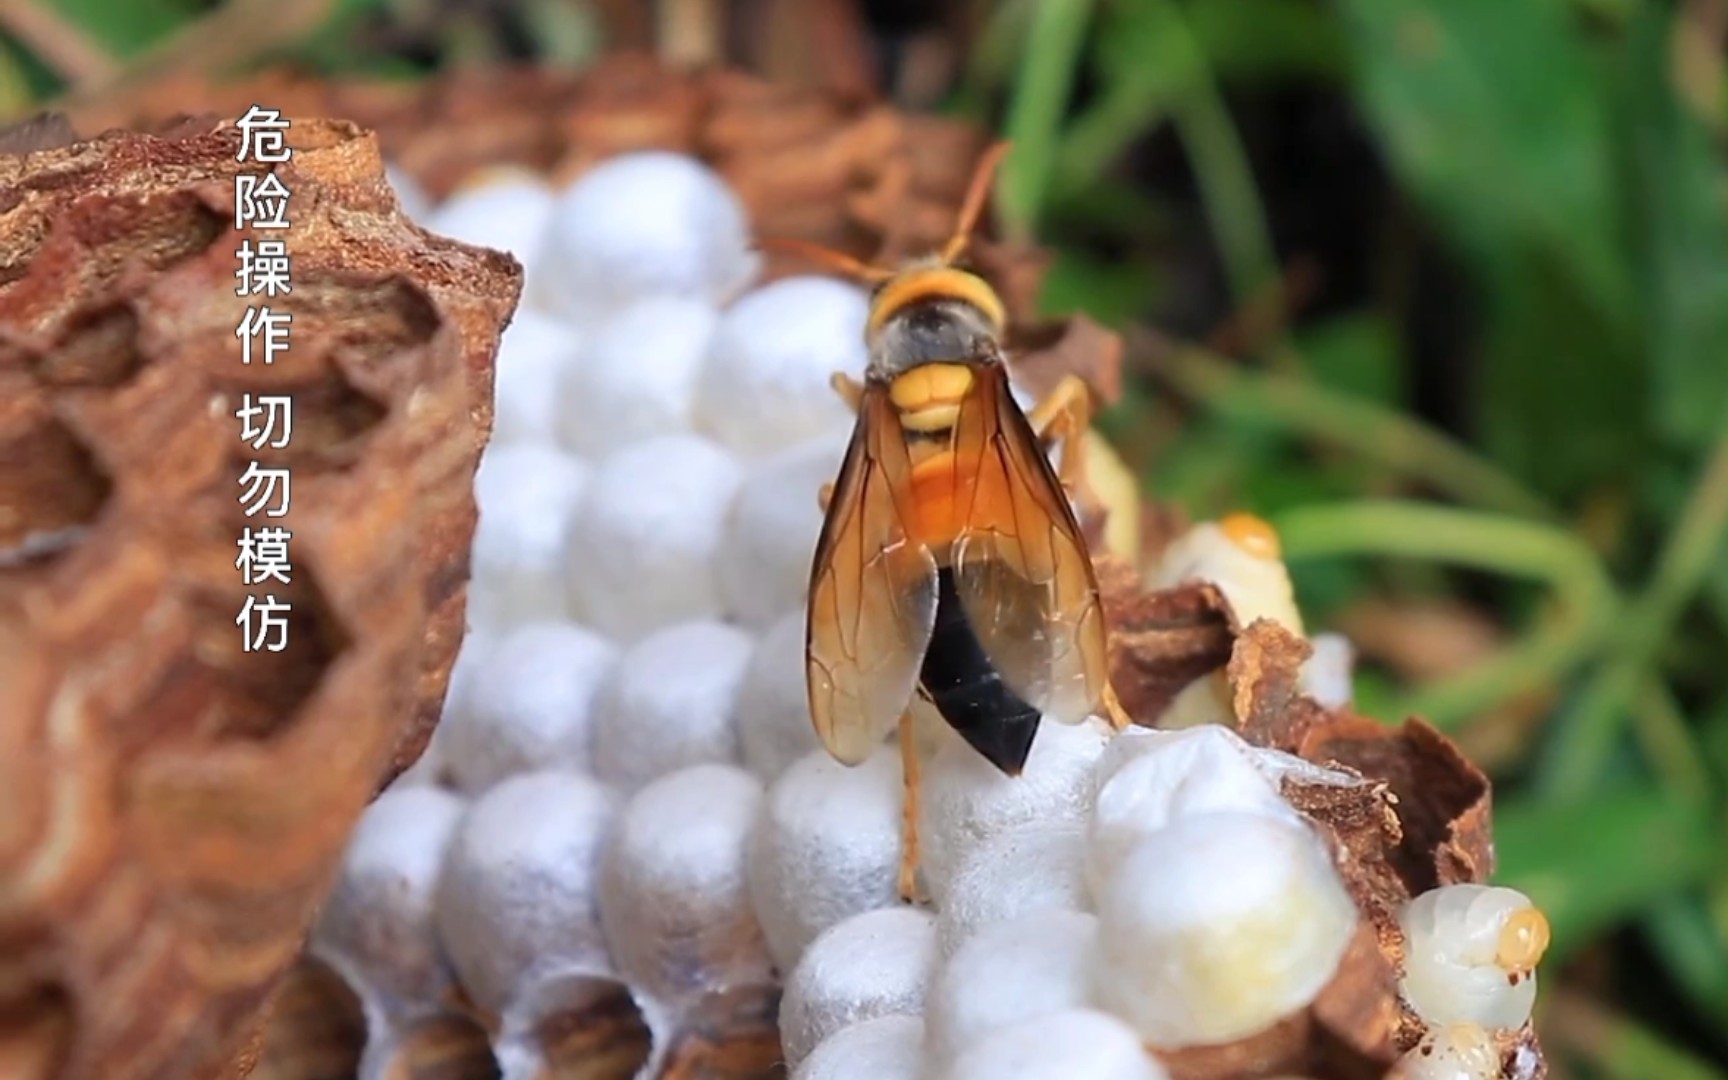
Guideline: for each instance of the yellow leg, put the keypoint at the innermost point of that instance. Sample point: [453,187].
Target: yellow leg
[1113,710]
[851,391]
[909,853]
[1065,414]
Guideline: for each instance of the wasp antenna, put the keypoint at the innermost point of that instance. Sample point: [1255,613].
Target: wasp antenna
[975,196]
[833,260]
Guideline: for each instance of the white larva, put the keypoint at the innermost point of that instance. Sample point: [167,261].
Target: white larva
[1470,953]
[1011,973]
[527,495]
[1453,1052]
[1065,1045]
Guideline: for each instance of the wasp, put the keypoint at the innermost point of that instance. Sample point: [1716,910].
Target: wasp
[950,570]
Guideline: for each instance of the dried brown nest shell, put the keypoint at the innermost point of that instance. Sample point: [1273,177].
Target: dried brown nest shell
[1420,818]
[879,184]
[172,809]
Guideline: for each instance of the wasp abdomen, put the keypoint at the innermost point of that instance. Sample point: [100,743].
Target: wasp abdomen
[968,691]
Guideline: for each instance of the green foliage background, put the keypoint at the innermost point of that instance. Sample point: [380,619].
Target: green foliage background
[1541,207]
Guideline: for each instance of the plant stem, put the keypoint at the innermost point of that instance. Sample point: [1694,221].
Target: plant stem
[991,57]
[1584,738]
[1679,928]
[1308,409]
[1099,135]
[59,41]
[1619,1048]
[1222,171]
[1667,742]
[1584,597]
[1048,60]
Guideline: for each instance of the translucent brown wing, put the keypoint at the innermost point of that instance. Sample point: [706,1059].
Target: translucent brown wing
[872,592]
[1021,566]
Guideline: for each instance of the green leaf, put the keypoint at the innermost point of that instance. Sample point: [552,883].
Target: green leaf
[1143,61]
[1695,953]
[1563,393]
[1144,48]
[18,92]
[1497,117]
[1495,114]
[127,27]
[1037,104]
[1680,224]
[1117,213]
[1357,354]
[1258,39]
[1594,863]
[1111,292]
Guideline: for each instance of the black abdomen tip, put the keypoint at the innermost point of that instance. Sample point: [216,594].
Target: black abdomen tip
[968,691]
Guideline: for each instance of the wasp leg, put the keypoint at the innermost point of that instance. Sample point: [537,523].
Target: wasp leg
[851,391]
[1113,710]
[909,847]
[1064,415]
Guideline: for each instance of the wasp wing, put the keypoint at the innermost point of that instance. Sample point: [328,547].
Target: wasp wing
[1021,566]
[872,601]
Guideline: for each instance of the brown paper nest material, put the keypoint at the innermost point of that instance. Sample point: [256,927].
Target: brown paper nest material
[880,184]
[172,809]
[1419,817]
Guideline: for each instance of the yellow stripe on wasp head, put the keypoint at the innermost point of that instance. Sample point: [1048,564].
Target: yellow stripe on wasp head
[934,283]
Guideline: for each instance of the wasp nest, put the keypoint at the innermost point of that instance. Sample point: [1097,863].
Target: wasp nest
[625,801]
[173,807]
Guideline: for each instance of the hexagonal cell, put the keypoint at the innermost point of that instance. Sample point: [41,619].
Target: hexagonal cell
[51,485]
[731,1032]
[359,328]
[225,692]
[98,347]
[367,318]
[607,1037]
[37,1038]
[316,1027]
[448,1046]
[331,421]
[157,230]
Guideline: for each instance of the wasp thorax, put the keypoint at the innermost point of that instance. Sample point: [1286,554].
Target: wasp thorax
[932,314]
